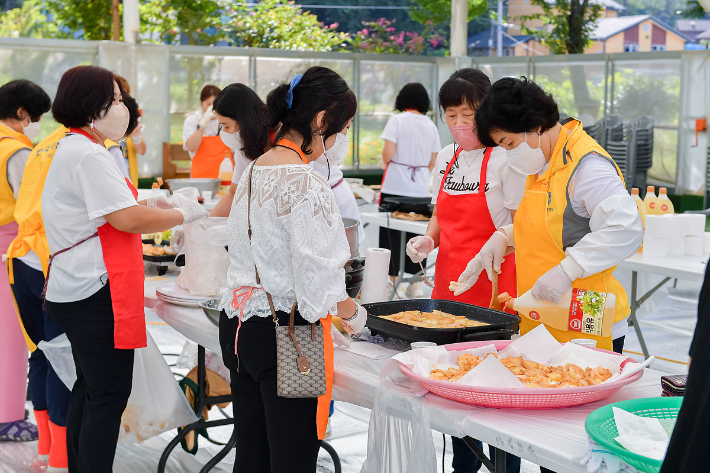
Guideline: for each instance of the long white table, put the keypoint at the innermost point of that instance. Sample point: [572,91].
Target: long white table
[551,438]
[688,268]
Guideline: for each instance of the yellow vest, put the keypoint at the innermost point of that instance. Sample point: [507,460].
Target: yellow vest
[10,142]
[545,225]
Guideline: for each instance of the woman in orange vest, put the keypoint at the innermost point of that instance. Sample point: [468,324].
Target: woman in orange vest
[291,230]
[22,104]
[200,135]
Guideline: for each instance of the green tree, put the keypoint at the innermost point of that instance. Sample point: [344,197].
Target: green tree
[82,19]
[694,10]
[664,10]
[439,11]
[281,24]
[170,21]
[567,24]
[26,21]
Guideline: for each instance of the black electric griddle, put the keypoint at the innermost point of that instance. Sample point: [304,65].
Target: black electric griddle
[501,325]
[417,205]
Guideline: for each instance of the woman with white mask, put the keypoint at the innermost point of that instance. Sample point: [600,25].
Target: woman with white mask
[94,285]
[328,164]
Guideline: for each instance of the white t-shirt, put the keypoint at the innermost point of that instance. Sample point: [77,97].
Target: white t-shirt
[83,184]
[241,162]
[416,138]
[190,126]
[120,160]
[15,169]
[504,186]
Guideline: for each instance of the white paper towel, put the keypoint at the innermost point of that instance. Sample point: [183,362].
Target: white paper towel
[657,226]
[376,275]
[694,245]
[676,246]
[706,244]
[678,225]
[696,224]
[656,247]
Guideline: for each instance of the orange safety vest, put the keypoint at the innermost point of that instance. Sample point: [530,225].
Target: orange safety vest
[10,142]
[545,226]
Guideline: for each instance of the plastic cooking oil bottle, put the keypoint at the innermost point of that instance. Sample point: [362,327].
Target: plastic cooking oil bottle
[664,204]
[225,174]
[639,205]
[650,201]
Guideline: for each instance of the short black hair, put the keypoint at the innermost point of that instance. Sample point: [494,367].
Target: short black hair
[241,104]
[465,86]
[320,89]
[515,106]
[413,95]
[85,93]
[22,93]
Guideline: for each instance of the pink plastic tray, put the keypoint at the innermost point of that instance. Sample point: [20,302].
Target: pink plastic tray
[527,398]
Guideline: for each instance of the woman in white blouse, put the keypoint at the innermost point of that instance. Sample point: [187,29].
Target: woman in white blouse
[297,241]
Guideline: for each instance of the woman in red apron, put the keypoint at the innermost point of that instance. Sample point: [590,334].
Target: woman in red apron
[94,285]
[291,231]
[476,192]
[200,136]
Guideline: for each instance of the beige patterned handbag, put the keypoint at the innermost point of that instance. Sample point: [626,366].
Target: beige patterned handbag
[300,358]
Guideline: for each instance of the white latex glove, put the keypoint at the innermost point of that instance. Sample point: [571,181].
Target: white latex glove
[208,115]
[551,285]
[356,323]
[489,258]
[419,247]
[596,456]
[339,338]
[160,202]
[178,239]
[185,200]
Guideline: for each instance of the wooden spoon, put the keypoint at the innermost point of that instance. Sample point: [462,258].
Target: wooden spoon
[495,303]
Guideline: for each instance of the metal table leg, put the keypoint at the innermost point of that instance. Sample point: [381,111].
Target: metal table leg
[500,460]
[636,303]
[402,255]
[333,455]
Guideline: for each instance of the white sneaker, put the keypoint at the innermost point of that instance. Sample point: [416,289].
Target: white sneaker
[414,290]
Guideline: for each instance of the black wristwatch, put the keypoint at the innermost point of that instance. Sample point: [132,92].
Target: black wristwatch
[198,126]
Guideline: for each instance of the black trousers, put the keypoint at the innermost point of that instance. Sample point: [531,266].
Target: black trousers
[391,239]
[103,385]
[47,391]
[274,434]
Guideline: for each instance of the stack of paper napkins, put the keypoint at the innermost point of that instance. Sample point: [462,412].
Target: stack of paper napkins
[645,436]
[674,235]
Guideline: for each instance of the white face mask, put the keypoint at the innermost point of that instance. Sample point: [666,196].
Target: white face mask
[32,130]
[335,154]
[232,140]
[526,160]
[114,123]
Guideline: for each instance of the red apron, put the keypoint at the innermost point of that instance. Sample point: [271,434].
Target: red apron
[466,225]
[123,257]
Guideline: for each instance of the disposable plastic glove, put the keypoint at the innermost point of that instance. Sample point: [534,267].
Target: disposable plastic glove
[160,202]
[356,323]
[551,285]
[339,338]
[489,258]
[596,456]
[178,239]
[185,200]
[419,247]
[208,115]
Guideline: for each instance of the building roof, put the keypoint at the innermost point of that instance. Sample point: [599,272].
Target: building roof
[703,35]
[686,26]
[608,27]
[480,41]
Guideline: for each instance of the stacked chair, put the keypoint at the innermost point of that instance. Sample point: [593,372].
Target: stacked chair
[642,129]
[620,145]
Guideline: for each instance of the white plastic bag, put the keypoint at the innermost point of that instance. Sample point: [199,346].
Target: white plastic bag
[58,352]
[214,362]
[206,259]
[156,404]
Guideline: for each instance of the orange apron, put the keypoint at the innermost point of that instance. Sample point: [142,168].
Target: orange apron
[210,154]
[462,238]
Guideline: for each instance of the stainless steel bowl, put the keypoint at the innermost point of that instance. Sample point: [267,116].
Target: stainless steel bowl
[209,185]
[351,232]
[211,309]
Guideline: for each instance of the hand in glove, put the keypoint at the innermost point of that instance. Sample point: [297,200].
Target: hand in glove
[489,258]
[185,200]
[596,456]
[160,202]
[208,115]
[356,323]
[419,247]
[551,285]
[178,239]
[339,338]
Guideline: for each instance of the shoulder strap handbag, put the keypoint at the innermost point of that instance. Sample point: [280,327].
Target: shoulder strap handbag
[300,357]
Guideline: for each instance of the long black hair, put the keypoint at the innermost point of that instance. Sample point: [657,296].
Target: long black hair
[320,89]
[241,104]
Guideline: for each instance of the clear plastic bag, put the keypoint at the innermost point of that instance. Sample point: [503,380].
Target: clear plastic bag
[156,403]
[58,352]
[188,360]
[206,259]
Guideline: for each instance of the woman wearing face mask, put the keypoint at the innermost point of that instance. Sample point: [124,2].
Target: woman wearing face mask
[475,193]
[200,135]
[576,220]
[291,231]
[22,104]
[94,287]
[410,150]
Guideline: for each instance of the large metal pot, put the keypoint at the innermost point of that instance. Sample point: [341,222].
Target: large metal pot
[351,232]
[209,185]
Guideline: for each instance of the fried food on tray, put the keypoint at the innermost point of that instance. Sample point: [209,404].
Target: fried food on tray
[435,319]
[150,250]
[530,373]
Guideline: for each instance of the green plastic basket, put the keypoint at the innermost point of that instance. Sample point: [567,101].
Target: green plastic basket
[601,427]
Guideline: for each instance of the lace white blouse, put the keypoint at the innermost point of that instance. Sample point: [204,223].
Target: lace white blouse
[298,243]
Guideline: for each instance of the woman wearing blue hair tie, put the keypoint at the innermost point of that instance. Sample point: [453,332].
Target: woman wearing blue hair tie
[285,221]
